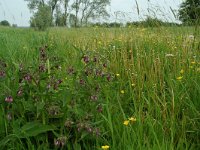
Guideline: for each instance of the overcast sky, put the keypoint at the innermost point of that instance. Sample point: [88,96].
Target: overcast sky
[16,11]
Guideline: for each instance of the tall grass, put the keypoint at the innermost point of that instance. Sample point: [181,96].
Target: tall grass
[75,89]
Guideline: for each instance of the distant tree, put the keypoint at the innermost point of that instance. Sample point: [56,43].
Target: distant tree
[189,12]
[42,19]
[66,14]
[152,22]
[86,9]
[34,5]
[76,6]
[4,23]
[115,25]
[14,25]
[93,9]
[59,17]
[72,20]
[82,10]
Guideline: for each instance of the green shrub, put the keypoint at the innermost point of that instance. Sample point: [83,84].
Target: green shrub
[4,23]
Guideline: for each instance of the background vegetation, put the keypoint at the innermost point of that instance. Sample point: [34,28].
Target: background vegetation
[109,86]
[127,88]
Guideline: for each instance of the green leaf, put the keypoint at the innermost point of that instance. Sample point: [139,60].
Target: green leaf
[33,129]
[7,139]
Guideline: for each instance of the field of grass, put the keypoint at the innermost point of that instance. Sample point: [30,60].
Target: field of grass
[100,88]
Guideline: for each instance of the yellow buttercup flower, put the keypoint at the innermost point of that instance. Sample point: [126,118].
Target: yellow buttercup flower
[122,92]
[117,74]
[179,78]
[132,119]
[105,147]
[126,122]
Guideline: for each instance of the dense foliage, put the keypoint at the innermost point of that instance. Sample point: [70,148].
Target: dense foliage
[4,23]
[99,88]
[189,12]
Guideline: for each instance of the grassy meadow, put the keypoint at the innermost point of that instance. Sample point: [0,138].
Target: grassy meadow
[100,88]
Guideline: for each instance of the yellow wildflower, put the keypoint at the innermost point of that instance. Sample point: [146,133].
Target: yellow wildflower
[132,119]
[182,71]
[126,122]
[122,92]
[179,78]
[193,62]
[117,74]
[132,84]
[105,147]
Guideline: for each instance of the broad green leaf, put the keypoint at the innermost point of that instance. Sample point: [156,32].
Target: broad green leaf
[33,129]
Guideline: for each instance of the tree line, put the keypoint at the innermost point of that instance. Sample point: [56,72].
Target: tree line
[79,13]
[73,13]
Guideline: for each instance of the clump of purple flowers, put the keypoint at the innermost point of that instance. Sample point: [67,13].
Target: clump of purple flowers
[86,59]
[60,142]
[9,99]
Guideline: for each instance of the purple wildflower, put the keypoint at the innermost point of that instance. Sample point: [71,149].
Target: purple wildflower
[97,132]
[104,65]
[71,70]
[94,98]
[60,142]
[20,92]
[27,77]
[100,108]
[86,59]
[82,82]
[89,129]
[2,74]
[9,99]
[108,77]
[95,59]
[42,68]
